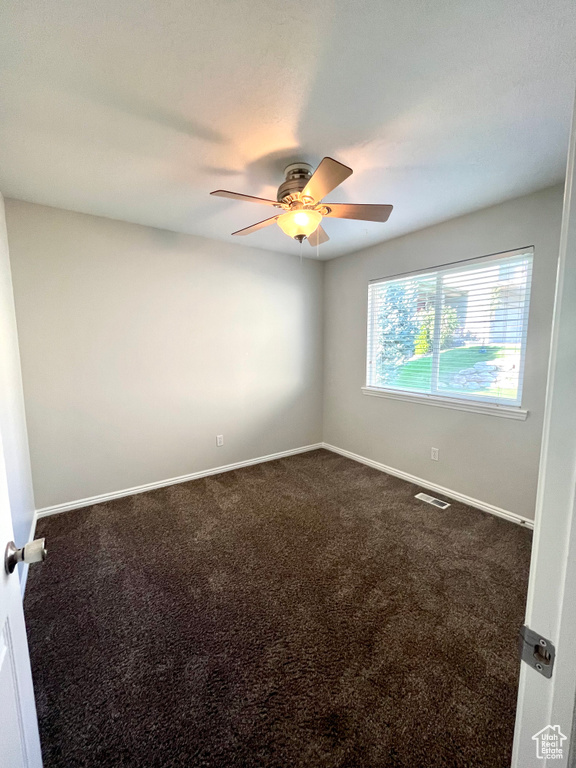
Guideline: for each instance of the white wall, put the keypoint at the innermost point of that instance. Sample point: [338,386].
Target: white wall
[140,345]
[12,415]
[491,459]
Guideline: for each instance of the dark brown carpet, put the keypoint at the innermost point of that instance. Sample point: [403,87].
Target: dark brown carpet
[303,612]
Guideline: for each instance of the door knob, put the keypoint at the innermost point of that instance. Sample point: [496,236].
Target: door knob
[33,552]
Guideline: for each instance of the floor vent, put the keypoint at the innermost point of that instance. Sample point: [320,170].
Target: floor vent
[432,500]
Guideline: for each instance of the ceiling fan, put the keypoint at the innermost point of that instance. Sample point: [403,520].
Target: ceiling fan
[301,195]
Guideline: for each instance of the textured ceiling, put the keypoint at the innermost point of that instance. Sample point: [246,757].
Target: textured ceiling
[137,109]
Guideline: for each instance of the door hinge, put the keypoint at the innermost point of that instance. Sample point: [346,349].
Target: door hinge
[537,651]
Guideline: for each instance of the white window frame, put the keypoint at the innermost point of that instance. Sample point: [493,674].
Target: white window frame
[461,402]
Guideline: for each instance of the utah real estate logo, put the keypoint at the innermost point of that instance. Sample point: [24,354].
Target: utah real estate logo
[549,743]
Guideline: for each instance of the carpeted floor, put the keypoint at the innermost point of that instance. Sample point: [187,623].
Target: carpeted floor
[306,612]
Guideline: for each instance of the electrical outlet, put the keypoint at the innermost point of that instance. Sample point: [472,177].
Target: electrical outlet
[219,440]
[434,454]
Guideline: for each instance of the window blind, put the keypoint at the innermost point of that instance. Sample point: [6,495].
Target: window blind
[457,331]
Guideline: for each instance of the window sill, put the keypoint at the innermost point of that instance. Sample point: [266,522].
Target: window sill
[472,406]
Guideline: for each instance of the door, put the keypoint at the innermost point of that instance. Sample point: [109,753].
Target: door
[19,741]
[545,714]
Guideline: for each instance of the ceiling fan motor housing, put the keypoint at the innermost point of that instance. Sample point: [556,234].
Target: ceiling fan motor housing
[297,177]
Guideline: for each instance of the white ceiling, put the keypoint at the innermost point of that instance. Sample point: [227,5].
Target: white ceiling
[137,109]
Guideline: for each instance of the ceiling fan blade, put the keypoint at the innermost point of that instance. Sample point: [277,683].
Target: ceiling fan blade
[255,227]
[245,198]
[329,174]
[362,212]
[318,237]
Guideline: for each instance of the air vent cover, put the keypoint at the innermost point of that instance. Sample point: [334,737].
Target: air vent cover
[432,500]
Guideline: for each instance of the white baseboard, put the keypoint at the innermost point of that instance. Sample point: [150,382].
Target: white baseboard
[484,506]
[469,500]
[25,566]
[88,502]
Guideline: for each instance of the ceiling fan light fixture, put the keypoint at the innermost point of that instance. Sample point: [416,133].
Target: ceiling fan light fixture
[299,224]
[301,196]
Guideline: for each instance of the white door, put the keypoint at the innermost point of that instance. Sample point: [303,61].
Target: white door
[551,607]
[19,741]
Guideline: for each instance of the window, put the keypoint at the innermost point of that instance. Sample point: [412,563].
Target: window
[456,332]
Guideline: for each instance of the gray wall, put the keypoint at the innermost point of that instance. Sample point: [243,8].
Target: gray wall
[491,459]
[140,345]
[12,415]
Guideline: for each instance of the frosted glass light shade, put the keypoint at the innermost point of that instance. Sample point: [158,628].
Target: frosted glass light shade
[299,223]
